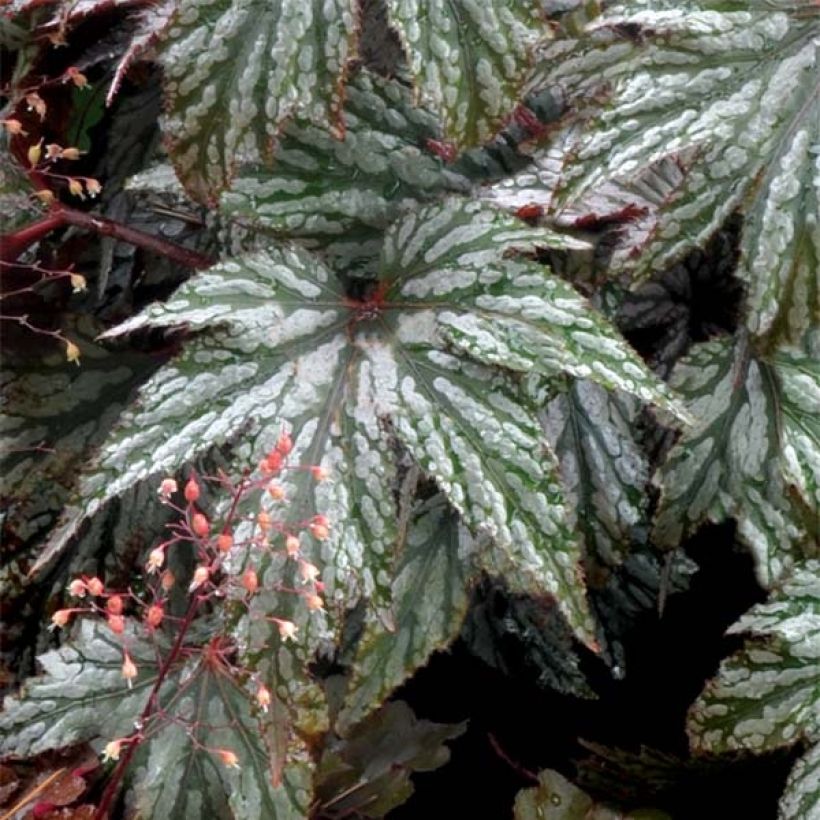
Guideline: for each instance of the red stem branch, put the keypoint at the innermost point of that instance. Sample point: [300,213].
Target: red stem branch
[13,244]
[151,706]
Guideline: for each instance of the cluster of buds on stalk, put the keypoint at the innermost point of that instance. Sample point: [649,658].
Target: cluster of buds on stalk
[229,550]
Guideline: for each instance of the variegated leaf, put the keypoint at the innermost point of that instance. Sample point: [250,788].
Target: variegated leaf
[798,372]
[801,797]
[535,322]
[710,109]
[469,59]
[431,593]
[339,195]
[202,709]
[729,464]
[236,70]
[273,339]
[602,467]
[82,694]
[181,773]
[766,694]
[53,414]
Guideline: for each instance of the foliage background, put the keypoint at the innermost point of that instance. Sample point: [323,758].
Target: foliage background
[695,235]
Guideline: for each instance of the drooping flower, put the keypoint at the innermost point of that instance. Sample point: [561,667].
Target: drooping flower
[228,757]
[156,558]
[129,669]
[263,697]
[201,576]
[112,750]
[167,488]
[287,629]
[60,618]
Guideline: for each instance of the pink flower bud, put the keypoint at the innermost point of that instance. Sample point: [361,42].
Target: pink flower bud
[250,581]
[154,616]
[292,546]
[114,605]
[191,491]
[95,586]
[116,623]
[200,525]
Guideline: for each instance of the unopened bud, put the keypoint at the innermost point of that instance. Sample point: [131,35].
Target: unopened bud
[95,586]
[276,491]
[284,444]
[116,623]
[273,462]
[292,546]
[320,473]
[114,605]
[191,490]
[34,153]
[200,525]
[70,153]
[224,542]
[263,519]
[154,616]
[250,581]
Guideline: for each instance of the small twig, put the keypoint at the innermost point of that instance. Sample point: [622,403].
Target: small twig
[27,798]
[517,767]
